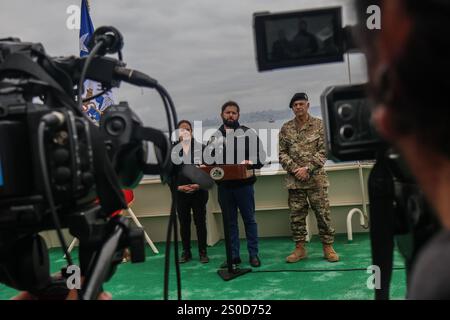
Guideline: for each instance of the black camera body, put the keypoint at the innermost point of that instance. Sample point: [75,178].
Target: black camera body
[69,157]
[349,133]
[60,170]
[310,37]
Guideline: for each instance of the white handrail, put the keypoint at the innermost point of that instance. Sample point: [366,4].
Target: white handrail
[363,194]
[349,222]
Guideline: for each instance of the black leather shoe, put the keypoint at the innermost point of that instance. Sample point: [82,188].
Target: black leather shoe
[255,262]
[204,257]
[185,257]
[235,261]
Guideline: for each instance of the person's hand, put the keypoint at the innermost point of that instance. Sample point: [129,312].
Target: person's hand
[301,174]
[194,187]
[24,295]
[185,188]
[247,162]
[58,290]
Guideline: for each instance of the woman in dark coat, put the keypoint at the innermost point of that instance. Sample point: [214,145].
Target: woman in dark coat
[190,196]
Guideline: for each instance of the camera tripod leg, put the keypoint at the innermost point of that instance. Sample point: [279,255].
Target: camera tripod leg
[71,246]
[98,258]
[101,268]
[147,238]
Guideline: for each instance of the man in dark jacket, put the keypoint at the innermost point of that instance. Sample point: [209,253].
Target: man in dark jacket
[236,144]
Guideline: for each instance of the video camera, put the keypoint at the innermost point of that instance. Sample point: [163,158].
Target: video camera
[397,205]
[299,38]
[60,170]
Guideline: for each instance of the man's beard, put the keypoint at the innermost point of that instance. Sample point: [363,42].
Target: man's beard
[233,124]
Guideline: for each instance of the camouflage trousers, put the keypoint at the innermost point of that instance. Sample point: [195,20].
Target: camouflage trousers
[320,205]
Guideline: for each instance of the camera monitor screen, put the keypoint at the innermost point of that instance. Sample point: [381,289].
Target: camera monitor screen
[298,38]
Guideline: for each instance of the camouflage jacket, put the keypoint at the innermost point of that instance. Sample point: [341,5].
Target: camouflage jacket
[303,147]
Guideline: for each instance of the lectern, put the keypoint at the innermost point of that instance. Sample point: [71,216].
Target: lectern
[226,172]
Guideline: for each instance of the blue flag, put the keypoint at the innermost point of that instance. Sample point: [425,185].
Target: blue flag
[93,108]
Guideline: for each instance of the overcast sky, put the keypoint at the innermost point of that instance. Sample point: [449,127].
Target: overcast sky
[202,51]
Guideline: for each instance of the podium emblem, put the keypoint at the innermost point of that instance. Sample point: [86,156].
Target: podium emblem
[217,173]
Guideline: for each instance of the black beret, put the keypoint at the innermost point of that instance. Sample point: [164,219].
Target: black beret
[298,96]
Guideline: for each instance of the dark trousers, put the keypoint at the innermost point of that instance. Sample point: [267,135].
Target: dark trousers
[197,203]
[230,199]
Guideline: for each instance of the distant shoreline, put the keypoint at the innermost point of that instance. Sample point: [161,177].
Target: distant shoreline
[268,116]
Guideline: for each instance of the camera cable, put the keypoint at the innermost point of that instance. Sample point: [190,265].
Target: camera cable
[169,106]
[172,226]
[95,96]
[173,187]
[50,119]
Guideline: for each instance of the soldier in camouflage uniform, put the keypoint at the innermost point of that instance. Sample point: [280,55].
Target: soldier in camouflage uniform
[302,154]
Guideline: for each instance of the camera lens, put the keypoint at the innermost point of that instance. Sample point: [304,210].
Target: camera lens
[347,132]
[345,111]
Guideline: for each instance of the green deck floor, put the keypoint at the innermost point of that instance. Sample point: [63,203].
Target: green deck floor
[275,279]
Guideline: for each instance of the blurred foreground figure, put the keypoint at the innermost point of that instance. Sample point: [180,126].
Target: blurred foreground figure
[408,66]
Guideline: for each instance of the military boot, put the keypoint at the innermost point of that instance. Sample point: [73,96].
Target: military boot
[298,254]
[329,253]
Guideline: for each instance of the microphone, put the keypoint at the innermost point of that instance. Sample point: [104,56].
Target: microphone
[134,77]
